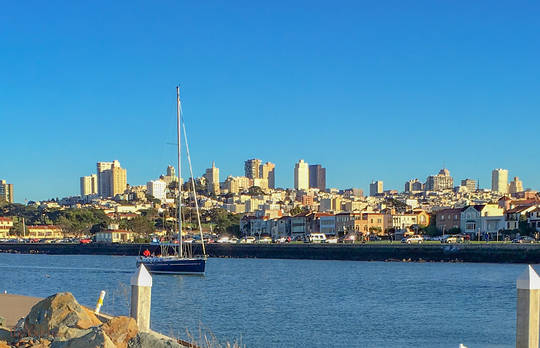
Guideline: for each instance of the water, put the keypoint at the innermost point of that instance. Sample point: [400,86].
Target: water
[297,303]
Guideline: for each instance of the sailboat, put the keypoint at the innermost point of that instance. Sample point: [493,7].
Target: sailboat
[181,261]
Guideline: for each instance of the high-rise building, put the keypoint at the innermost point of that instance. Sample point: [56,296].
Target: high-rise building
[499,180]
[170,176]
[516,185]
[317,177]
[252,168]
[267,171]
[157,189]
[301,175]
[111,179]
[6,192]
[440,182]
[376,188]
[235,184]
[470,184]
[89,185]
[212,179]
[171,171]
[414,186]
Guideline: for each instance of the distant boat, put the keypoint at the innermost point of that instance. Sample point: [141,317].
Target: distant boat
[182,261]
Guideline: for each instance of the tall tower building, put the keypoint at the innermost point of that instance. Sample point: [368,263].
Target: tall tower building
[440,182]
[317,177]
[6,192]
[89,185]
[499,180]
[516,185]
[111,179]
[252,168]
[376,188]
[267,171]
[301,175]
[212,179]
[470,184]
[171,171]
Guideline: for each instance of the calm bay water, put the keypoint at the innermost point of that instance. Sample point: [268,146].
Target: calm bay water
[297,303]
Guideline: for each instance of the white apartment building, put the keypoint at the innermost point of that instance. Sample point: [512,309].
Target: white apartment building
[301,175]
[157,189]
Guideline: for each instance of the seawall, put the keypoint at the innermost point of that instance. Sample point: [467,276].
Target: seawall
[494,253]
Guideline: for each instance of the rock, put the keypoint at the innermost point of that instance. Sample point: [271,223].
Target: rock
[49,315]
[121,330]
[96,338]
[152,340]
[3,344]
[64,333]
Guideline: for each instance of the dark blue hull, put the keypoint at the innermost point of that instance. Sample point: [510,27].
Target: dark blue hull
[173,265]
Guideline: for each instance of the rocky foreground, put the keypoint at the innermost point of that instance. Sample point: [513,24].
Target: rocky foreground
[59,321]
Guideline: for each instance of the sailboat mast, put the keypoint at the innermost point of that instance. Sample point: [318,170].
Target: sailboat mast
[178,138]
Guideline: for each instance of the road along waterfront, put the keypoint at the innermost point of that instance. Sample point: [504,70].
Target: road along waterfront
[471,252]
[293,303]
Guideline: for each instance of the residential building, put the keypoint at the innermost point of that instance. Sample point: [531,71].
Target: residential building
[5,226]
[499,180]
[111,179]
[520,213]
[157,189]
[470,184]
[376,188]
[348,222]
[330,204]
[534,219]
[44,232]
[89,185]
[252,168]
[114,235]
[317,177]
[212,180]
[515,186]
[440,182]
[414,186]
[236,184]
[482,218]
[301,175]
[6,191]
[267,172]
[447,219]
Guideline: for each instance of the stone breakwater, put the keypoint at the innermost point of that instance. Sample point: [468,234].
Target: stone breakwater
[494,253]
[59,321]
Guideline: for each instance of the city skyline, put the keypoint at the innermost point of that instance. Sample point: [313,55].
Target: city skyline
[418,99]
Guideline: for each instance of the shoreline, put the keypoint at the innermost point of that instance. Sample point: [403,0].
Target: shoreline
[485,253]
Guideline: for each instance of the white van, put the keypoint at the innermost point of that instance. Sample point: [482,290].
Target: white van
[317,238]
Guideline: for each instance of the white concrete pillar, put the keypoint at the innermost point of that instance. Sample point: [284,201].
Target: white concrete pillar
[528,308]
[141,296]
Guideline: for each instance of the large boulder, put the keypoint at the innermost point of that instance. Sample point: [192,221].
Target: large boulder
[96,338]
[51,316]
[151,339]
[121,330]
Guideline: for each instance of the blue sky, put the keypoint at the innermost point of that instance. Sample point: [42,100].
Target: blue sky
[387,90]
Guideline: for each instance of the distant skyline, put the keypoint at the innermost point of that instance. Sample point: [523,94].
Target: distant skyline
[387,91]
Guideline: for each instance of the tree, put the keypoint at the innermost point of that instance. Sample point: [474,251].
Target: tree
[296,210]
[255,191]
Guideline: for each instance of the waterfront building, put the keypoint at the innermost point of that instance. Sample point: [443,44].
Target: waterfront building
[114,235]
[6,192]
[89,185]
[252,168]
[499,180]
[414,186]
[448,219]
[440,182]
[515,186]
[469,184]
[348,222]
[301,175]
[212,180]
[6,224]
[482,218]
[534,219]
[376,188]
[299,225]
[317,177]
[157,189]
[515,215]
[44,232]
[111,179]
[267,172]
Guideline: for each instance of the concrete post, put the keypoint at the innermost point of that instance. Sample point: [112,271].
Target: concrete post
[141,295]
[528,308]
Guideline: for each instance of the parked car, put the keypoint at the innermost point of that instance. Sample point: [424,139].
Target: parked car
[264,240]
[374,238]
[283,240]
[85,241]
[453,239]
[413,239]
[331,240]
[317,238]
[247,240]
[524,239]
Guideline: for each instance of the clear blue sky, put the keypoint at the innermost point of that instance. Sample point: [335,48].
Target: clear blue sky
[388,90]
